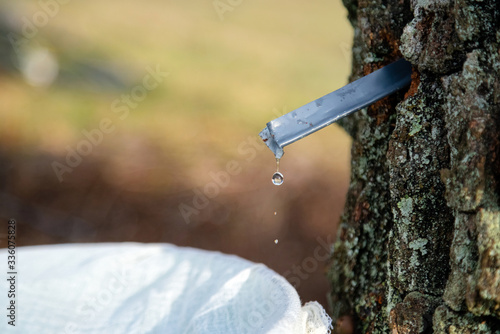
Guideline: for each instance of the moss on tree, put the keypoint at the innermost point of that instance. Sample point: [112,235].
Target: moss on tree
[419,243]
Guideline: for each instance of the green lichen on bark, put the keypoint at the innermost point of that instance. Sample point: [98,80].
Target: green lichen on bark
[359,265]
[446,321]
[419,242]
[473,114]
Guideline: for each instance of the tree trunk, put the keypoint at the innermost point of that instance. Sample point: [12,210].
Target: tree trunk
[419,246]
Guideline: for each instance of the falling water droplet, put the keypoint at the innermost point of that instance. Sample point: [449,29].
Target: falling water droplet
[275,213]
[278,179]
[276,241]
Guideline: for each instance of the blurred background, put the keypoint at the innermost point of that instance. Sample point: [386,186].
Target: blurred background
[138,121]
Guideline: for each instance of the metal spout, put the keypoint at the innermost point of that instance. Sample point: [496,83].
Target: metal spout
[330,108]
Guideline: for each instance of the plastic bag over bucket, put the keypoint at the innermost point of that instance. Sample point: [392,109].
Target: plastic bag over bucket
[152,288]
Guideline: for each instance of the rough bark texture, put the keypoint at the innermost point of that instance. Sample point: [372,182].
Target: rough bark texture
[419,245]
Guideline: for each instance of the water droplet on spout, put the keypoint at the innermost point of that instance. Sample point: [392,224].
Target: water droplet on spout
[277,179]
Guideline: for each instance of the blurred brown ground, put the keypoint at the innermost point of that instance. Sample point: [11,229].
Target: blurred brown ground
[240,220]
[227,79]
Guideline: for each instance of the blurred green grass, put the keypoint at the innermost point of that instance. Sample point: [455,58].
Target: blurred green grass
[226,76]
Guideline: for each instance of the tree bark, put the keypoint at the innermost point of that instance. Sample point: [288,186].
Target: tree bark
[419,244]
